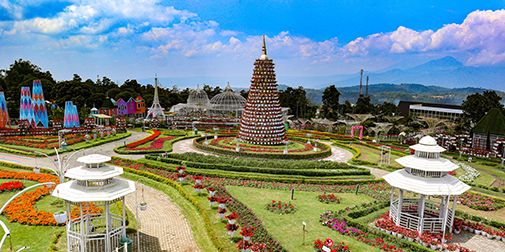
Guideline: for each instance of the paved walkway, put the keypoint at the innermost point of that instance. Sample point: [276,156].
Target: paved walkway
[186,145]
[338,154]
[106,149]
[163,227]
[478,242]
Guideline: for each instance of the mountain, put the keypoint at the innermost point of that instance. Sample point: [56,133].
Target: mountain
[445,72]
[386,92]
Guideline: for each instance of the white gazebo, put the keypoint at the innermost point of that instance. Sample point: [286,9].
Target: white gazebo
[422,192]
[94,182]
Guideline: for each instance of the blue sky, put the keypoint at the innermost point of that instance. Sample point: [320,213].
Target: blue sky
[195,41]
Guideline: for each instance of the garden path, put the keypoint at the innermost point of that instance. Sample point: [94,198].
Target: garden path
[478,242]
[187,146]
[338,154]
[106,149]
[378,173]
[163,227]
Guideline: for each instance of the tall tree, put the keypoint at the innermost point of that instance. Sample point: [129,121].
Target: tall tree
[477,105]
[363,105]
[330,102]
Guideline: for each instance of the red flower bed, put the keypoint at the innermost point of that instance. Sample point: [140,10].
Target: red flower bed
[22,208]
[151,137]
[41,142]
[329,244]
[481,202]
[11,186]
[328,198]
[155,145]
[281,207]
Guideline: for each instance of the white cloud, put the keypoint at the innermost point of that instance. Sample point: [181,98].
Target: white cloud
[482,33]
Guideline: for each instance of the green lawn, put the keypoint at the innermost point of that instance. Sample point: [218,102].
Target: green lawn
[373,155]
[288,228]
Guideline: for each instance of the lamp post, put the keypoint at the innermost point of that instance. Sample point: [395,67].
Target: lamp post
[61,164]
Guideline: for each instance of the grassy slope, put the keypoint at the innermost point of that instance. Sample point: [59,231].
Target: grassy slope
[288,228]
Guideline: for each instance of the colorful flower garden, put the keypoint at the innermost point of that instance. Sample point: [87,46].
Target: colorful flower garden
[157,142]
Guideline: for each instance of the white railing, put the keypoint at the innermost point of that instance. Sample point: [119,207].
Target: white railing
[409,221]
[433,225]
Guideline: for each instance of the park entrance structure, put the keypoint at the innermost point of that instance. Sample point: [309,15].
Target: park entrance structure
[262,121]
[94,184]
[425,189]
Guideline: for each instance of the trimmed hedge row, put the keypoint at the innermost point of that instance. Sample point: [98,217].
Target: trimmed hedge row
[257,162]
[360,212]
[322,154]
[122,149]
[486,221]
[259,177]
[280,171]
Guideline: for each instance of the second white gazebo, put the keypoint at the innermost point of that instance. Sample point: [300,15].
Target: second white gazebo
[433,192]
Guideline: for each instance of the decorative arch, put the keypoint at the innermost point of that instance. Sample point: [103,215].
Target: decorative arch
[360,127]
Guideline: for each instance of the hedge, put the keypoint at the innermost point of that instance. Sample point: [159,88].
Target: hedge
[257,162]
[259,177]
[301,172]
[322,154]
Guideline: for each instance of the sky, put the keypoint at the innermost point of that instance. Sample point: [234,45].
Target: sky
[191,41]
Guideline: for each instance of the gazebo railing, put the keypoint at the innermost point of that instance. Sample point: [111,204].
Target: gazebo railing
[433,225]
[408,221]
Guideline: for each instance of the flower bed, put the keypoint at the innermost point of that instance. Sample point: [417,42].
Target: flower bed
[151,137]
[328,198]
[281,207]
[275,152]
[329,245]
[22,209]
[11,186]
[41,142]
[481,202]
[155,145]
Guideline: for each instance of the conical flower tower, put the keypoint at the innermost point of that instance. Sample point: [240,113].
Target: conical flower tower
[262,121]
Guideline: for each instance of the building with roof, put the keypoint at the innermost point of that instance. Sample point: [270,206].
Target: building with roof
[490,128]
[423,195]
[434,110]
[228,103]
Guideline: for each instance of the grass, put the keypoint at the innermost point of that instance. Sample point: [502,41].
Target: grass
[38,238]
[288,228]
[189,211]
[373,155]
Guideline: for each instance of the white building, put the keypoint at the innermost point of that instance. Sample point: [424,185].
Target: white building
[423,194]
[97,183]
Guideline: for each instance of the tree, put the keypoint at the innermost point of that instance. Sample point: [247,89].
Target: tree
[330,102]
[297,102]
[477,105]
[363,105]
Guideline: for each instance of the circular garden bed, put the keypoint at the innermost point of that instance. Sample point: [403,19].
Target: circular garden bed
[297,148]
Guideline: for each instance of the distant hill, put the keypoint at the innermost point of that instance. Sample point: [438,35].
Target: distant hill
[396,92]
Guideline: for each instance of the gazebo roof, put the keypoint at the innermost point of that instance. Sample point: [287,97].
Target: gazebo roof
[427,164]
[73,192]
[93,173]
[428,144]
[446,185]
[94,159]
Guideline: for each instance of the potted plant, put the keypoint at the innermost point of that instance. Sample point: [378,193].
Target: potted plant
[212,191]
[232,218]
[221,212]
[60,217]
[143,206]
[247,233]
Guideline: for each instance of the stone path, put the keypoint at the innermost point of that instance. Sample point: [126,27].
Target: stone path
[338,154]
[186,145]
[163,227]
[478,242]
[106,149]
[378,173]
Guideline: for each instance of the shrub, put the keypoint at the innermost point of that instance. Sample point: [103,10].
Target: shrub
[280,207]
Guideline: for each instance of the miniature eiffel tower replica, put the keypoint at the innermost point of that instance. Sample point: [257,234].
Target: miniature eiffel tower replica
[156,111]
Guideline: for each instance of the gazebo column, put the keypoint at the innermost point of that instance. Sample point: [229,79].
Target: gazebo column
[420,212]
[400,204]
[453,211]
[443,205]
[83,235]
[443,210]
[107,226]
[124,216]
